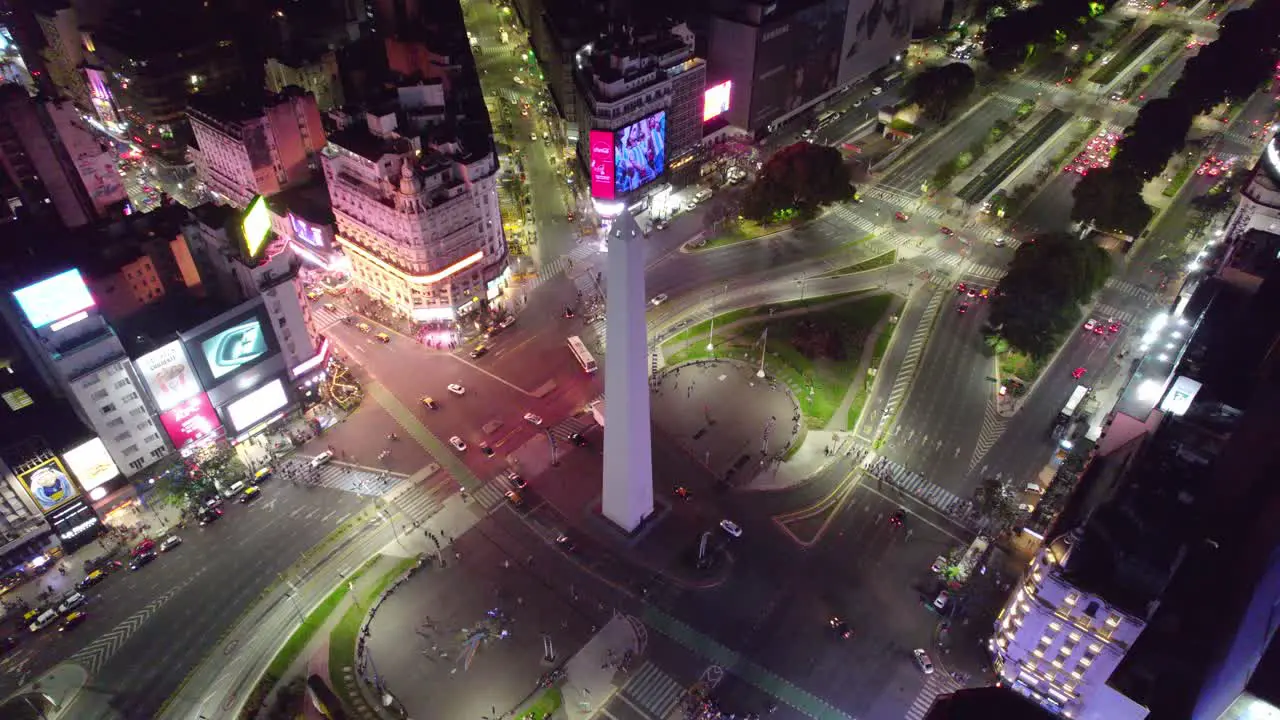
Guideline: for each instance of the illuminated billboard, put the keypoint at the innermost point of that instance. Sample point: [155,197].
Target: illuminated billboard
[307,232]
[191,421]
[53,299]
[168,375]
[601,146]
[91,464]
[48,484]
[257,405]
[256,226]
[640,153]
[234,347]
[715,101]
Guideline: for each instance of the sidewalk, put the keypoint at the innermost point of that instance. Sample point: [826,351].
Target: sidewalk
[588,684]
[840,420]
[49,695]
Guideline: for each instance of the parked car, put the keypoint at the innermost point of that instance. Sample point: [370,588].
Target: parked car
[731,527]
[71,601]
[457,444]
[923,661]
[142,560]
[170,542]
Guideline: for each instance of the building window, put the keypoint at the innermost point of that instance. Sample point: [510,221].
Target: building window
[98,395]
[108,409]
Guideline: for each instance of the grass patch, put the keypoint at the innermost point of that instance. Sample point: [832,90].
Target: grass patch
[814,353]
[542,706]
[732,316]
[877,356]
[1117,65]
[1178,180]
[342,638]
[1019,365]
[871,263]
[741,231]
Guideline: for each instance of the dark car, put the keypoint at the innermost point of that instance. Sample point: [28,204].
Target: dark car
[484,448]
[142,559]
[898,518]
[515,499]
[519,482]
[566,543]
[577,439]
[208,515]
[841,628]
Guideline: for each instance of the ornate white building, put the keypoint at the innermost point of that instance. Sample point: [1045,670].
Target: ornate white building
[417,213]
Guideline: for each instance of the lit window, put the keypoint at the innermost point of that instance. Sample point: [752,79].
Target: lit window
[1072,598]
[1056,663]
[1075,674]
[1095,648]
[1055,626]
[1045,639]
[1075,636]
[1113,620]
[1038,653]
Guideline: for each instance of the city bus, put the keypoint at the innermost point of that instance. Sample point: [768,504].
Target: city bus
[826,119]
[580,354]
[1067,414]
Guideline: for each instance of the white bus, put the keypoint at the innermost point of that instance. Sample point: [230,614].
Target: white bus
[580,354]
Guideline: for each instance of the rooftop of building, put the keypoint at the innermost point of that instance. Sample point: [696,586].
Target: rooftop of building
[985,703]
[35,250]
[356,138]
[157,323]
[309,201]
[630,51]
[1129,545]
[146,29]
[241,105]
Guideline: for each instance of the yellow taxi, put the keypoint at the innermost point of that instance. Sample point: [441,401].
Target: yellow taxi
[363,327]
[250,494]
[383,337]
[91,579]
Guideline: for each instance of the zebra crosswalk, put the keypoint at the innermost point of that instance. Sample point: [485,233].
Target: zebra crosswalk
[992,428]
[341,476]
[986,272]
[419,503]
[846,213]
[907,370]
[493,493]
[1124,287]
[943,258]
[1104,311]
[654,691]
[576,424]
[325,318]
[935,684]
[913,483]
[584,250]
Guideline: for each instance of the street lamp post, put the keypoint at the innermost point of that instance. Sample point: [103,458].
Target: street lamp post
[764,342]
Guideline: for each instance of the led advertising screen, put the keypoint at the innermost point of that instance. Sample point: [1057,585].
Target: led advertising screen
[715,101]
[191,421]
[75,524]
[257,405]
[48,484]
[91,464]
[53,299]
[256,226]
[640,153]
[235,347]
[601,146]
[168,375]
[307,233]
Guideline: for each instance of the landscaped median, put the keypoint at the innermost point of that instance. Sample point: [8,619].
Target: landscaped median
[812,345]
[737,231]
[884,259]
[283,673]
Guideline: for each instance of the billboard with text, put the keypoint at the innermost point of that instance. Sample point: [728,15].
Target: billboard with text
[600,144]
[168,375]
[191,421]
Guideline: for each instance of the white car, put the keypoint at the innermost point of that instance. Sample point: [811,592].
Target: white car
[939,564]
[1026,507]
[658,300]
[1090,324]
[731,527]
[941,601]
[1000,242]
[321,459]
[877,90]
[457,389]
[457,444]
[922,659]
[531,418]
[70,601]
[169,543]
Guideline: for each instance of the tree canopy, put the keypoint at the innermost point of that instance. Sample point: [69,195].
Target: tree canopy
[1012,39]
[1228,69]
[798,177]
[937,90]
[1039,300]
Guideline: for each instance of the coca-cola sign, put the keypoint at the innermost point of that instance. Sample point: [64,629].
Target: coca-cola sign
[601,143]
[191,421]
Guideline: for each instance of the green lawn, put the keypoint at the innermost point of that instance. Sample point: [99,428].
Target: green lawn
[542,706]
[819,382]
[871,263]
[1024,367]
[342,638]
[877,356]
[741,231]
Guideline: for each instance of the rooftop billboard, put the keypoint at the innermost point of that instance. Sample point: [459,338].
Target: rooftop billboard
[54,298]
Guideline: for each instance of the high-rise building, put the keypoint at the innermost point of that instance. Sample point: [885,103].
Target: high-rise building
[640,90]
[316,73]
[784,57]
[63,51]
[417,214]
[51,164]
[254,143]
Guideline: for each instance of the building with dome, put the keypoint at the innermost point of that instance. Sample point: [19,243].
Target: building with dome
[414,196]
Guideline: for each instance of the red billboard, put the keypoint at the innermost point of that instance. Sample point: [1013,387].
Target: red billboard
[191,421]
[601,145]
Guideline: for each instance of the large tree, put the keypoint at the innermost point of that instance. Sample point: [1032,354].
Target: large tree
[1155,135]
[1111,198]
[939,89]
[800,177]
[1039,300]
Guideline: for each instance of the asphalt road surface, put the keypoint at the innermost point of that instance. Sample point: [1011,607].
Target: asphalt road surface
[148,628]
